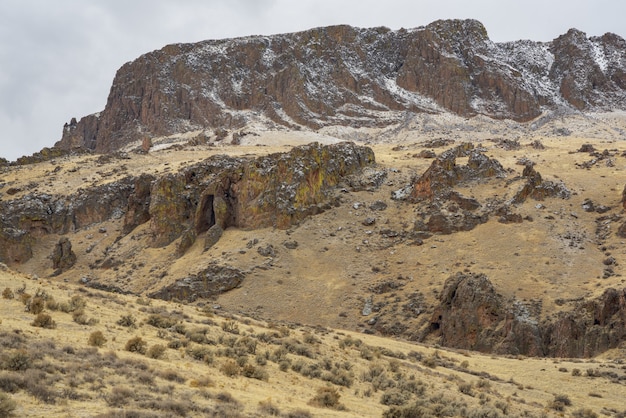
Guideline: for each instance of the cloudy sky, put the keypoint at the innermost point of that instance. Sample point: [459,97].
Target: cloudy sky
[58,58]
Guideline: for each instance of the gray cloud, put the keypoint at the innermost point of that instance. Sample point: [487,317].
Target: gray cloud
[58,58]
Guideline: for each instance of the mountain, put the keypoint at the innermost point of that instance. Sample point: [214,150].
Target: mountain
[346,76]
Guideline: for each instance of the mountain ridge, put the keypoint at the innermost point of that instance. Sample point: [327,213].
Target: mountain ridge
[346,76]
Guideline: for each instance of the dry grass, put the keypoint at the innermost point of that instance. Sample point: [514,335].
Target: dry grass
[267,369]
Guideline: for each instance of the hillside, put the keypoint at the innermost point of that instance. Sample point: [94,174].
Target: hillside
[336,222]
[92,353]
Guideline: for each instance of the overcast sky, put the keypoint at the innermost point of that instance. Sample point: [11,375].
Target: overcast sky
[58,58]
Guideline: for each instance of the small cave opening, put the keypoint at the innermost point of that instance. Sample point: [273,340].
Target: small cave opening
[206,215]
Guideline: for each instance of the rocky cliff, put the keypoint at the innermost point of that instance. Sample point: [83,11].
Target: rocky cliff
[342,75]
[277,190]
[472,315]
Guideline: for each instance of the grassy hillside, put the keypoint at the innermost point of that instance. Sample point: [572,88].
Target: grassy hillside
[66,350]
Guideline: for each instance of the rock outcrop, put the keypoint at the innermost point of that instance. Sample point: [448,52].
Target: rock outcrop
[62,256]
[472,315]
[277,190]
[211,281]
[342,75]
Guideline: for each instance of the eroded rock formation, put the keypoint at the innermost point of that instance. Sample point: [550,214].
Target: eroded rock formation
[342,75]
[472,315]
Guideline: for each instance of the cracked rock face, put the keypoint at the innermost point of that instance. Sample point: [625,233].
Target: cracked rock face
[346,76]
[472,315]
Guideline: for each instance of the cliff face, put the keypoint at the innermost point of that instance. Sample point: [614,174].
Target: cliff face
[342,75]
[471,315]
[278,190]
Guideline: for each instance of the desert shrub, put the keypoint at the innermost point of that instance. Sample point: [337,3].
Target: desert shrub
[279,354]
[485,412]
[156,351]
[80,317]
[11,382]
[17,360]
[430,361]
[172,376]
[326,397]
[52,304]
[77,302]
[466,388]
[230,368]
[560,402]
[202,382]
[260,359]
[584,413]
[7,405]
[136,345]
[161,321]
[298,413]
[226,397]
[201,353]
[230,326]
[7,293]
[254,372]
[339,377]
[25,297]
[246,345]
[96,339]
[177,343]
[36,305]
[502,406]
[284,365]
[394,397]
[576,372]
[119,396]
[44,320]
[267,408]
[126,321]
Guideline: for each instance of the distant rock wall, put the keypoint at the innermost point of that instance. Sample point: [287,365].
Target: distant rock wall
[342,75]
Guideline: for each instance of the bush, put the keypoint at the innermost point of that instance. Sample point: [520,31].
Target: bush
[298,413]
[560,402]
[80,317]
[136,345]
[584,413]
[267,408]
[230,326]
[576,372]
[161,321]
[96,339]
[7,293]
[156,351]
[7,405]
[17,361]
[230,368]
[36,305]
[127,321]
[326,397]
[44,320]
[393,397]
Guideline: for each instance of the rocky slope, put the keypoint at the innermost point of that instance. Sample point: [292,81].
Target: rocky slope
[347,76]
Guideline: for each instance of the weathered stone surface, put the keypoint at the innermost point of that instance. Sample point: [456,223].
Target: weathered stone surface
[472,315]
[138,211]
[320,77]
[277,190]
[62,256]
[212,281]
[538,189]
[444,173]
